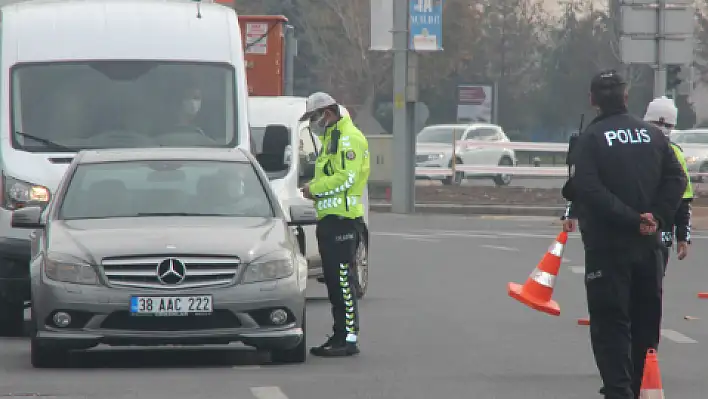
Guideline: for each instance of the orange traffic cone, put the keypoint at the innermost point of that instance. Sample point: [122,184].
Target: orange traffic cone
[538,289]
[651,381]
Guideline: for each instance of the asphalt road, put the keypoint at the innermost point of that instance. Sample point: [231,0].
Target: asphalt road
[437,323]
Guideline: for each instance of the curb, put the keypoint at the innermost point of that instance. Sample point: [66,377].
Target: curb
[454,209]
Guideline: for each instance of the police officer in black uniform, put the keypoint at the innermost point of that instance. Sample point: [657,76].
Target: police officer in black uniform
[625,185]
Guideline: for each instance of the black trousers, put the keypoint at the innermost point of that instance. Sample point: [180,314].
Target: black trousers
[665,253]
[624,293]
[337,240]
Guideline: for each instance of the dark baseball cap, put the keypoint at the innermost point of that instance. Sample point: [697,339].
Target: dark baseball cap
[606,81]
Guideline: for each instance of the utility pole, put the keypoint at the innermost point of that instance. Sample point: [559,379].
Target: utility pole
[658,33]
[660,68]
[403,184]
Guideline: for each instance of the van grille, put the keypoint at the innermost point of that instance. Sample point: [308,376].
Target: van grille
[143,272]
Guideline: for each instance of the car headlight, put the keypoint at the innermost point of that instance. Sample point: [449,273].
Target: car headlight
[68,269]
[19,194]
[691,159]
[269,268]
[435,157]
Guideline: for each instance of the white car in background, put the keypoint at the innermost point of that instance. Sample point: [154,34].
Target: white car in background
[694,143]
[434,149]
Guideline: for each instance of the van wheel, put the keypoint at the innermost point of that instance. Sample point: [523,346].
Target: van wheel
[297,354]
[360,269]
[12,319]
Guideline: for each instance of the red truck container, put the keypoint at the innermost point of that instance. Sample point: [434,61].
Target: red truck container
[263,39]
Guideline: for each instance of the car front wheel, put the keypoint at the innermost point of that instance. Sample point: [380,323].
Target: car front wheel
[502,180]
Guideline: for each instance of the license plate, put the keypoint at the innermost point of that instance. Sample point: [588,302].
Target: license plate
[171,305]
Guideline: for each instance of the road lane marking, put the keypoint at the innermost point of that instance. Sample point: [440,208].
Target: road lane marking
[268,393]
[486,234]
[677,337]
[500,248]
[415,237]
[577,269]
[247,367]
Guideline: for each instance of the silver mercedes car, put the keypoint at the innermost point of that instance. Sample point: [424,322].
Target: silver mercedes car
[165,246]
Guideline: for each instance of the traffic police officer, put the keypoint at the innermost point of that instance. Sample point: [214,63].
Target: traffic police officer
[341,175]
[663,113]
[625,184]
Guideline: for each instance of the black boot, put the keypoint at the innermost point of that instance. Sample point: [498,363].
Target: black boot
[335,347]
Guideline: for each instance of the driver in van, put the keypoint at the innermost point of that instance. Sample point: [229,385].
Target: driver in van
[190,103]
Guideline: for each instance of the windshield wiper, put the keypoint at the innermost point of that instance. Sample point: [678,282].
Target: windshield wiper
[46,142]
[178,214]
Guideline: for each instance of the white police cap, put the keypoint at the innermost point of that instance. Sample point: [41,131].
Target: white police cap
[662,109]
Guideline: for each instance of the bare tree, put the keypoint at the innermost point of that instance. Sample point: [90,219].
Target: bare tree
[338,35]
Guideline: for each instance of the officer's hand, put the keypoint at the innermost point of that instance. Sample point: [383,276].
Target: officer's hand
[569,225]
[682,249]
[648,224]
[306,191]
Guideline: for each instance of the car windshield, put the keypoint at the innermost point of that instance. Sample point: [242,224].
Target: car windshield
[690,137]
[69,106]
[165,188]
[437,134]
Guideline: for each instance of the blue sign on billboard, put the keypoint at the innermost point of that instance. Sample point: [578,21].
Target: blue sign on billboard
[425,25]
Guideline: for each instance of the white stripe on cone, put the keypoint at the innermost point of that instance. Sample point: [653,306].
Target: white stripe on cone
[651,394]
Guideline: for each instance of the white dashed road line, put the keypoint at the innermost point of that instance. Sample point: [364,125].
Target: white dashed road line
[268,393]
[500,248]
[577,269]
[677,337]
[415,237]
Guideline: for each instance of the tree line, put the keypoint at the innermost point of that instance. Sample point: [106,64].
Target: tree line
[541,62]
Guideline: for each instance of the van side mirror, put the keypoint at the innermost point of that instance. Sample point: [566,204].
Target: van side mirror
[27,218]
[302,215]
[276,141]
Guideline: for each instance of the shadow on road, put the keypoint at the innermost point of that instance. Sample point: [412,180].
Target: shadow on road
[167,357]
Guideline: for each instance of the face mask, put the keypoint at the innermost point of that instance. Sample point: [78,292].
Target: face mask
[191,106]
[319,125]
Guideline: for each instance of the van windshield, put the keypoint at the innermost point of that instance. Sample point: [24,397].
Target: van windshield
[70,106]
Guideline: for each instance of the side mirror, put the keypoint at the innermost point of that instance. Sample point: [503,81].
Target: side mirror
[27,218]
[302,215]
[276,140]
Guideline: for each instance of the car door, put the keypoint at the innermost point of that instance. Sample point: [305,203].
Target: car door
[309,148]
[470,152]
[488,155]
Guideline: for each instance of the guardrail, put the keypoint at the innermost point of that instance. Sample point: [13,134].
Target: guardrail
[540,171]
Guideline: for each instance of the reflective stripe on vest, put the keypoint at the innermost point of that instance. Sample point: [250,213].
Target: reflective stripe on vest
[333,202]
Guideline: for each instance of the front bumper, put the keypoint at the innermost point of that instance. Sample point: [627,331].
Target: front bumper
[100,315]
[431,165]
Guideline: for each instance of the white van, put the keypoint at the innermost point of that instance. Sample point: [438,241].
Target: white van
[288,173]
[104,74]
